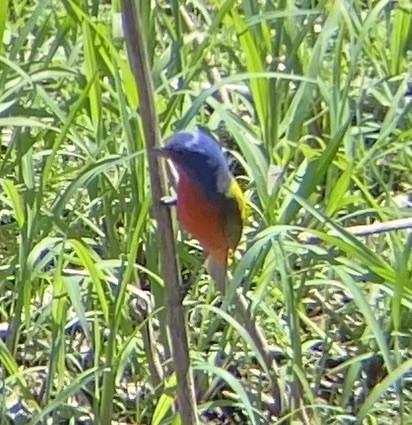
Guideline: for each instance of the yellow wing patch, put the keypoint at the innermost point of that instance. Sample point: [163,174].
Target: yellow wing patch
[234,213]
[234,191]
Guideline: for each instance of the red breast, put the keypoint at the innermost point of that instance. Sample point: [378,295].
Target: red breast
[201,217]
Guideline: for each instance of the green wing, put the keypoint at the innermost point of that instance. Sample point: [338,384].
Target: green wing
[234,213]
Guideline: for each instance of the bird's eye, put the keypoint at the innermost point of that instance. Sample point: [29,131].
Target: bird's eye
[179,153]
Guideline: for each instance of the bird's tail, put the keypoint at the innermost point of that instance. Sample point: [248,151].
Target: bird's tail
[216,266]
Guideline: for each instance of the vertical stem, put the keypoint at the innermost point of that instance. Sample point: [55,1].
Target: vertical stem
[136,47]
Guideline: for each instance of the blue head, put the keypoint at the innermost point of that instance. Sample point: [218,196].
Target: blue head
[200,157]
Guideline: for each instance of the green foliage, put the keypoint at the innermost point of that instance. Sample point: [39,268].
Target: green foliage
[309,100]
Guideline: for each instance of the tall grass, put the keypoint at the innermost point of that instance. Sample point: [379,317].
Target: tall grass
[308,98]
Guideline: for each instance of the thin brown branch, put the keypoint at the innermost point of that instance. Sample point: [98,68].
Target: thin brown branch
[254,331]
[362,230]
[136,47]
[261,344]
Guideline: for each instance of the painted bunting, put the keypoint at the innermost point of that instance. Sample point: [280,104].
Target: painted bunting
[210,204]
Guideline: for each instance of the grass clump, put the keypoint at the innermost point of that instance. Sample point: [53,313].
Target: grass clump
[310,100]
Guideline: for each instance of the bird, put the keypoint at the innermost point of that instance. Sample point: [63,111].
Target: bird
[210,204]
[212,208]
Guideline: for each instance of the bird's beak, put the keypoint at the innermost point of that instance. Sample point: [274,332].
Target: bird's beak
[161,152]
